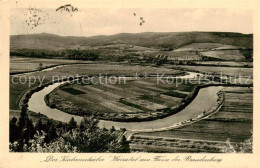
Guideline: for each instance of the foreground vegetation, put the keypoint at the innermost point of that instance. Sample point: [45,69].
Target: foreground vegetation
[64,137]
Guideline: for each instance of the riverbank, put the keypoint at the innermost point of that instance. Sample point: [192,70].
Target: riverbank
[206,114]
[54,100]
[197,107]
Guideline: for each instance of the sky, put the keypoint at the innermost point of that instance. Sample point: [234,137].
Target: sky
[102,21]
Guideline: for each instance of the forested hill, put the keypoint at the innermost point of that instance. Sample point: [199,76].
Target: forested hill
[148,39]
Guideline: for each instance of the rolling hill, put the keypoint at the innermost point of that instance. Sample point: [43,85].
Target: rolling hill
[147,39]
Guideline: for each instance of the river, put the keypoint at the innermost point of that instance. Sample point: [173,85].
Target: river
[205,99]
[43,70]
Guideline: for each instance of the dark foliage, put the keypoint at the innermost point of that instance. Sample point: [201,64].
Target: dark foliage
[63,137]
[69,54]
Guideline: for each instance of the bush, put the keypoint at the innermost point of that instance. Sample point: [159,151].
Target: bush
[68,138]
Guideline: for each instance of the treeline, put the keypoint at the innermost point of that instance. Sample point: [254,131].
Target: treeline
[80,54]
[248,54]
[66,54]
[64,137]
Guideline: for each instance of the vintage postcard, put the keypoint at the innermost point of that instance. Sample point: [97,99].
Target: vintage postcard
[129,83]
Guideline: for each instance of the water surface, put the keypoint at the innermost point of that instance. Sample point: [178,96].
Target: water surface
[205,99]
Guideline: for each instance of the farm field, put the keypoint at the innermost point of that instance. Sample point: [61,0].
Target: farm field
[17,89]
[22,64]
[156,144]
[224,54]
[180,55]
[199,46]
[130,98]
[109,69]
[224,63]
[230,71]
[127,47]
[207,46]
[229,47]
[233,122]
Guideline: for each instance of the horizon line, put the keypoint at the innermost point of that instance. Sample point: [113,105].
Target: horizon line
[133,33]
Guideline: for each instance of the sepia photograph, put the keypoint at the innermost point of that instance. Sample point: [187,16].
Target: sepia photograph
[130,80]
[82,82]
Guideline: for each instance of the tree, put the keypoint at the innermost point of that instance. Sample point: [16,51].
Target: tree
[89,123]
[23,118]
[112,129]
[51,134]
[25,126]
[120,146]
[81,54]
[28,131]
[122,129]
[40,66]
[181,63]
[124,144]
[21,132]
[60,125]
[72,124]
[13,130]
[104,129]
[39,126]
[48,125]
[89,138]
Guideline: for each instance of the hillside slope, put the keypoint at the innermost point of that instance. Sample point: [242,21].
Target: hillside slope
[148,39]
